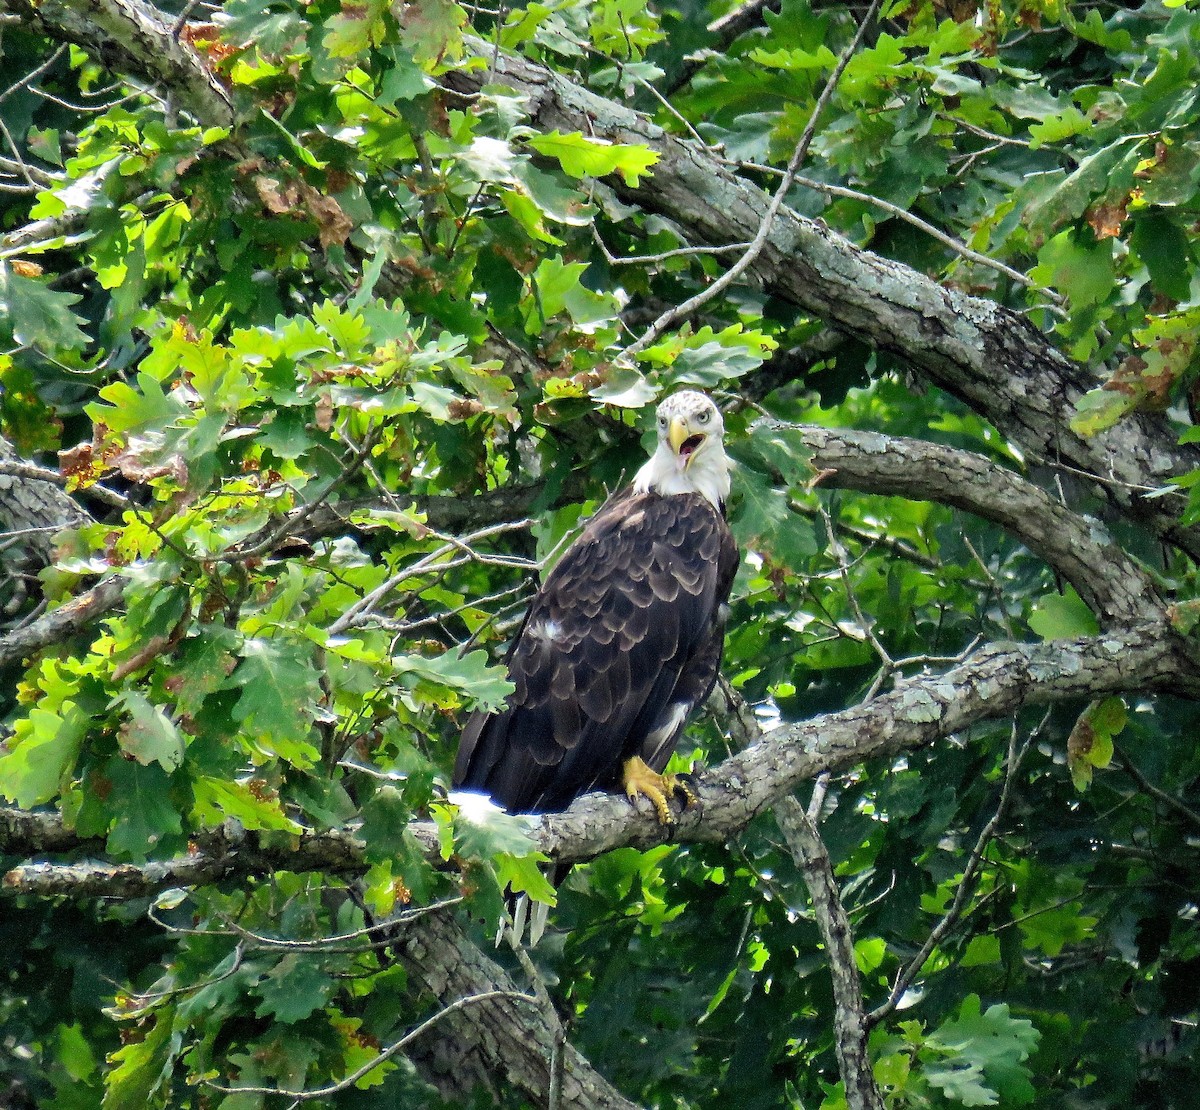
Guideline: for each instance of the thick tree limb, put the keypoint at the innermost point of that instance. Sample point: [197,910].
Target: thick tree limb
[990,357]
[490,1039]
[231,851]
[33,506]
[62,622]
[994,682]
[1075,546]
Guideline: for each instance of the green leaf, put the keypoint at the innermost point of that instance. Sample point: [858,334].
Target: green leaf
[1063,617]
[1090,744]
[524,875]
[961,1082]
[298,149]
[581,156]
[1099,409]
[385,820]
[133,411]
[205,664]
[1081,270]
[146,814]
[432,30]
[482,829]
[279,698]
[1053,928]
[142,1067]
[44,753]
[356,27]
[149,735]
[404,80]
[39,316]
[1166,250]
[993,1045]
[216,800]
[982,951]
[472,675]
[75,1054]
[295,988]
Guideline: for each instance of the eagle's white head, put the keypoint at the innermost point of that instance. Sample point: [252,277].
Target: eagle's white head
[690,457]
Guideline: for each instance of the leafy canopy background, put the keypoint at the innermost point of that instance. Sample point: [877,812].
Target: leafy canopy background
[324,310]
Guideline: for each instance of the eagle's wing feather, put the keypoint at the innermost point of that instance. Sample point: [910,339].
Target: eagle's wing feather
[621,642]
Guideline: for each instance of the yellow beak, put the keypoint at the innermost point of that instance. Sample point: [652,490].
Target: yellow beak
[677,434]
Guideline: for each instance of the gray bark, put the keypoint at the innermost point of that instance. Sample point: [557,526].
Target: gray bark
[492,1038]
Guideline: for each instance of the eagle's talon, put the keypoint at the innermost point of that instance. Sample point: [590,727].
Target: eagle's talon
[682,788]
[637,778]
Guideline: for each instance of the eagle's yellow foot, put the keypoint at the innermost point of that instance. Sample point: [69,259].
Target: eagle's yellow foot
[637,778]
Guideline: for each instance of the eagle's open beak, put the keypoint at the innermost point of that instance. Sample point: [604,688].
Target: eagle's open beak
[683,442]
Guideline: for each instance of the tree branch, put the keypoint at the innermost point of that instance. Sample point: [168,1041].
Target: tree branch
[62,622]
[134,39]
[850,1025]
[995,681]
[1075,546]
[491,1038]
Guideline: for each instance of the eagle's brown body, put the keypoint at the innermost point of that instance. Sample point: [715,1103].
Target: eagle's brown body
[620,644]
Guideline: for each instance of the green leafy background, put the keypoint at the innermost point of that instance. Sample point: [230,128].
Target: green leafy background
[298,346]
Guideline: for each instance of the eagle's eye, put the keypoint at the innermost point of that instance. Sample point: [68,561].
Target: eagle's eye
[662,421]
[705,416]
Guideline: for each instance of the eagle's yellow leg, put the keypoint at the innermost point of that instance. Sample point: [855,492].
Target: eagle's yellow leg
[637,778]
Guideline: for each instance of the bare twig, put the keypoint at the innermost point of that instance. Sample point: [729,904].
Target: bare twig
[363,607]
[1169,800]
[385,1055]
[966,884]
[929,229]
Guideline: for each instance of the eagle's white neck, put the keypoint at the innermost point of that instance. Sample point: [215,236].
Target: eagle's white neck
[707,473]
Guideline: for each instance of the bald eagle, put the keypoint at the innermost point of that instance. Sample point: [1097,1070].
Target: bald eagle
[623,640]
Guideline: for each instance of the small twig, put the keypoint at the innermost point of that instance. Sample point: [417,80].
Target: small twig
[839,554]
[966,885]
[179,23]
[956,245]
[550,1014]
[1157,792]
[675,112]
[33,74]
[646,259]
[365,604]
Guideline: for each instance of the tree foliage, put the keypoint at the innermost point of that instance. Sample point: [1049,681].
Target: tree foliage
[321,327]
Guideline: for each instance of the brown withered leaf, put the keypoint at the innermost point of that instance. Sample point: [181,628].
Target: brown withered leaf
[298,198]
[1106,219]
[324,411]
[1127,377]
[24,268]
[76,461]
[205,39]
[463,407]
[333,225]
[135,469]
[276,198]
